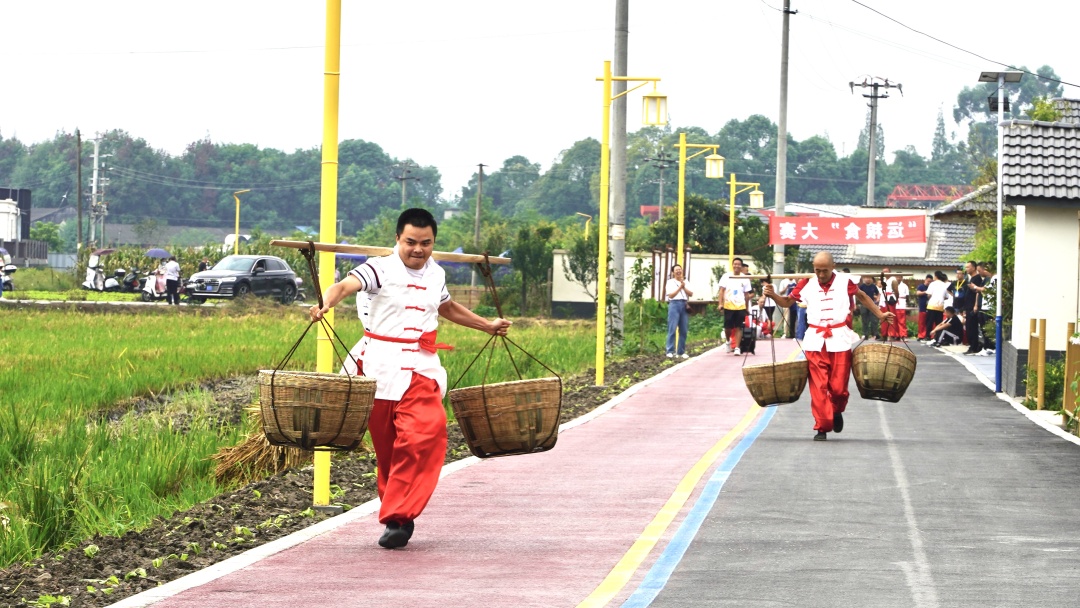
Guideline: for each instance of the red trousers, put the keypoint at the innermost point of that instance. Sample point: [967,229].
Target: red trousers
[410,447]
[922,325]
[898,329]
[829,374]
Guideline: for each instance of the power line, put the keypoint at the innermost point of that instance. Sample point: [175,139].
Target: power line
[963,50]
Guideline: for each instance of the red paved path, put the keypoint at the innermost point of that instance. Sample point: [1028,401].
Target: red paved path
[538,530]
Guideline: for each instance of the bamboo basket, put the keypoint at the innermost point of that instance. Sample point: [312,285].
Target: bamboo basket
[776,383]
[310,410]
[507,418]
[882,371]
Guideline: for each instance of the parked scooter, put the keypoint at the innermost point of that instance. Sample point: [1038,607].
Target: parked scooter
[6,270]
[131,281]
[96,281]
[154,288]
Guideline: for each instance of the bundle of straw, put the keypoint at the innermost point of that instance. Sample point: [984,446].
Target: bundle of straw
[255,458]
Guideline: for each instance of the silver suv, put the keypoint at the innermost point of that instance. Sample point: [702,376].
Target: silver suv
[240,275]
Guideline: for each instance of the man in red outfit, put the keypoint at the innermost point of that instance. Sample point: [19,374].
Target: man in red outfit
[403,296]
[829,338]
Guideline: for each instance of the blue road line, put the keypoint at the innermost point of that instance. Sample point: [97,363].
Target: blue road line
[661,571]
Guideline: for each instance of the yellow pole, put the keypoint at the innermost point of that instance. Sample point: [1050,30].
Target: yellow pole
[236,236]
[602,228]
[328,215]
[682,196]
[731,226]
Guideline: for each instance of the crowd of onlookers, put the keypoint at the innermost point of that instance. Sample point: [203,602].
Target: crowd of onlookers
[947,311]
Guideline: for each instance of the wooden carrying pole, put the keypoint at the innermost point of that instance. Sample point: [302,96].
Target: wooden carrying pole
[763,277]
[438,256]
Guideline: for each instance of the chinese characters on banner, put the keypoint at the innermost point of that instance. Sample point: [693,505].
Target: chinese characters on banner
[846,230]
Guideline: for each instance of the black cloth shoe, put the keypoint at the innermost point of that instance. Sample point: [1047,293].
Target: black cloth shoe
[395,536]
[837,422]
[408,528]
[820,436]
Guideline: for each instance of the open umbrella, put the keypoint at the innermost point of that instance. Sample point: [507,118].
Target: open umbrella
[158,253]
[103,251]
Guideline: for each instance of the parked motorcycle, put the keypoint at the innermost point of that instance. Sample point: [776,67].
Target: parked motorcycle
[154,287]
[131,281]
[96,281]
[6,270]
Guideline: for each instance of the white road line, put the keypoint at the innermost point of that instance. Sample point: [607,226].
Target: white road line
[917,573]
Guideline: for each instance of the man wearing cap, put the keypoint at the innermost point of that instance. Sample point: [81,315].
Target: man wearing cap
[829,339]
[404,296]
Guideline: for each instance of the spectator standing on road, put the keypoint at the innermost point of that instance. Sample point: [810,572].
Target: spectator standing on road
[204,264]
[935,303]
[987,307]
[172,281]
[973,308]
[732,299]
[921,295]
[829,339]
[870,327]
[405,293]
[677,317]
[898,330]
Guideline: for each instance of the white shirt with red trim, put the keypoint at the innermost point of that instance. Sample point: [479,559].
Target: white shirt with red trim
[827,313]
[398,302]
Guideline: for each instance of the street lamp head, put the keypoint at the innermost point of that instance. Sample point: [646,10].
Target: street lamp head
[654,108]
[1010,76]
[757,199]
[714,166]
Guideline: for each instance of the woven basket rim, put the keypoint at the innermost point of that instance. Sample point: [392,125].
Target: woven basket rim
[330,376]
[762,366]
[511,384]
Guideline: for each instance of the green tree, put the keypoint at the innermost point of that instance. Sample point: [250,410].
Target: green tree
[582,261]
[48,232]
[532,258]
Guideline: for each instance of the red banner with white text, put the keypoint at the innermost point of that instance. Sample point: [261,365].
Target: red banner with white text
[880,230]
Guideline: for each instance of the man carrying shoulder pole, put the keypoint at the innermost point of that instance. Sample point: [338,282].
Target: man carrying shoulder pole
[829,338]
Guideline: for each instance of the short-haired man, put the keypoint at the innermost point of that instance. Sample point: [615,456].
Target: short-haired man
[936,293]
[922,295]
[732,299]
[948,332]
[829,338]
[973,308]
[404,296]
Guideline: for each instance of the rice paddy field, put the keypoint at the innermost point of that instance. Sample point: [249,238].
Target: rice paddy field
[79,456]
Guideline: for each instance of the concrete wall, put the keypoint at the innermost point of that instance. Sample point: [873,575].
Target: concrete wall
[1047,273]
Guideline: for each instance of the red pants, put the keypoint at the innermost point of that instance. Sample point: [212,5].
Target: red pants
[898,329]
[922,325]
[410,448]
[828,386]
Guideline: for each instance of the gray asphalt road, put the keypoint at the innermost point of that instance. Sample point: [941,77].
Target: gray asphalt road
[948,498]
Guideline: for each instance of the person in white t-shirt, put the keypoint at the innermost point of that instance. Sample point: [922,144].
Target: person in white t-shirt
[937,291]
[172,281]
[678,321]
[732,299]
[404,294]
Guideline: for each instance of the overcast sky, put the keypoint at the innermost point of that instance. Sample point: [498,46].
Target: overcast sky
[456,83]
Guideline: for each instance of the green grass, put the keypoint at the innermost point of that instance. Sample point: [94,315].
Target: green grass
[68,472]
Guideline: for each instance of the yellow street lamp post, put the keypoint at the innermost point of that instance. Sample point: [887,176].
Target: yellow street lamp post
[236,237]
[588,218]
[714,169]
[654,112]
[757,199]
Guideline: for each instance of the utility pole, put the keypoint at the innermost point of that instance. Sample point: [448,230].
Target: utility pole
[661,161]
[94,191]
[781,140]
[78,190]
[406,168]
[618,166]
[476,222]
[875,85]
